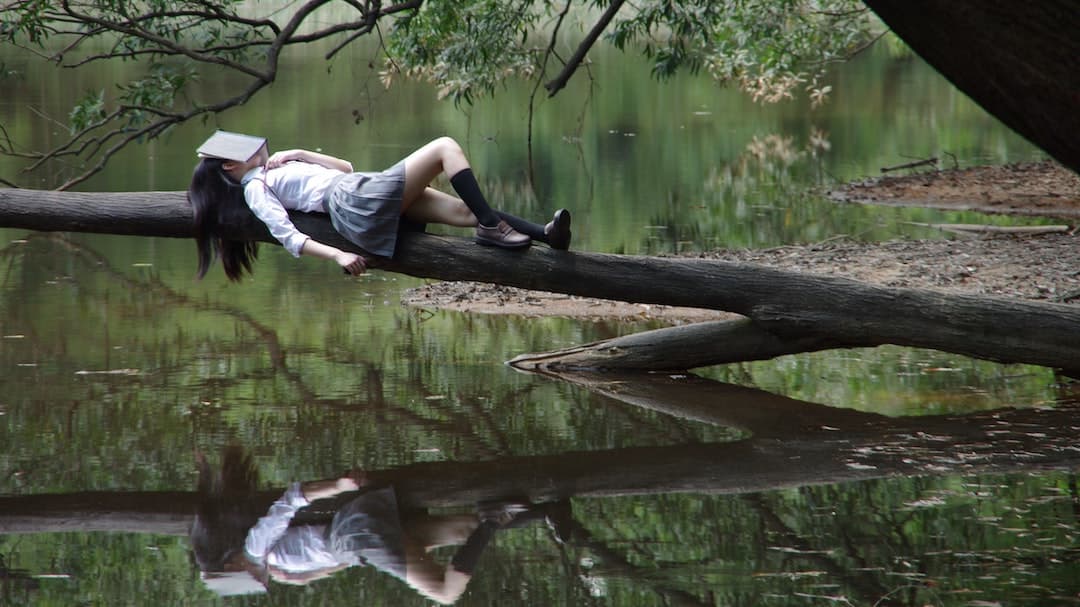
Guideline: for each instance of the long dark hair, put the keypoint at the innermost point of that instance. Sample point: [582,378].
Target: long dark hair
[227,508]
[218,201]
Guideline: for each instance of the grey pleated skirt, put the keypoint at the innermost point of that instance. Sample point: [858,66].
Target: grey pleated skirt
[367,531]
[366,208]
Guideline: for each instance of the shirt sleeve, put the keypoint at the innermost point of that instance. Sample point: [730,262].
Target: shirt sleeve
[269,529]
[270,211]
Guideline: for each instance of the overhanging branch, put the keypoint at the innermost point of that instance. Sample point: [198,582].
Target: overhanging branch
[559,82]
[142,36]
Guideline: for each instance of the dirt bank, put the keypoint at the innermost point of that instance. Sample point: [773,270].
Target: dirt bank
[1044,189]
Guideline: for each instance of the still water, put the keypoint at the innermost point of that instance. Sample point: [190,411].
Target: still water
[119,369]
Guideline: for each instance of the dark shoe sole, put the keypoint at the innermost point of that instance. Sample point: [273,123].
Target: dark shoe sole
[498,243]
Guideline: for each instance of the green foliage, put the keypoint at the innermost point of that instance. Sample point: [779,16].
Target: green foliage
[157,90]
[27,21]
[141,98]
[465,48]
[170,38]
[768,48]
[89,110]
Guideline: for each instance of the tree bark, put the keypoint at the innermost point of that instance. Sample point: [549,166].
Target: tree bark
[674,349]
[792,443]
[1018,60]
[827,311]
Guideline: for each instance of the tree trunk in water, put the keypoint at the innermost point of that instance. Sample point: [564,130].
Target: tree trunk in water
[792,444]
[1018,60]
[826,311]
[674,349]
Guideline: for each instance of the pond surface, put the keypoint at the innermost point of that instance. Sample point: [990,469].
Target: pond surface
[118,368]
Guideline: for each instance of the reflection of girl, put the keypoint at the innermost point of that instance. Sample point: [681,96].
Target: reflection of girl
[237,173]
[241,547]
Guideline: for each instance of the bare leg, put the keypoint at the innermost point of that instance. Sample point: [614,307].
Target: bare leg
[444,155]
[434,206]
[432,532]
[440,583]
[422,533]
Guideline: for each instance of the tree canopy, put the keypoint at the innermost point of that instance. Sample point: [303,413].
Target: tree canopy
[771,49]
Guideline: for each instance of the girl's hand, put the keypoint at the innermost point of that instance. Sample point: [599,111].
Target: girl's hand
[280,158]
[346,484]
[351,263]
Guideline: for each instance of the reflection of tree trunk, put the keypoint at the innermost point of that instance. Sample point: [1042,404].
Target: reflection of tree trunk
[828,311]
[793,444]
[759,413]
[1015,59]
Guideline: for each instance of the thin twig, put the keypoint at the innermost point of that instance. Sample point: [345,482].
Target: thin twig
[536,87]
[911,165]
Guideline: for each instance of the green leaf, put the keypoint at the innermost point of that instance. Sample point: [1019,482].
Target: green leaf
[88,111]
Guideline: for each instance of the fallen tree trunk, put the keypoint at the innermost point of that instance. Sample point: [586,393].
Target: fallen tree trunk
[831,312]
[674,349]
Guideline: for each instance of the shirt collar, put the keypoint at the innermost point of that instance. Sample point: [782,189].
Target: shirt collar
[252,174]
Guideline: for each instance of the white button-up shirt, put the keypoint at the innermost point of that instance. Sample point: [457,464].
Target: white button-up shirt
[298,186]
[293,549]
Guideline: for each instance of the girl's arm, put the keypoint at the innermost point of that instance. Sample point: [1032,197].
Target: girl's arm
[306,577]
[271,527]
[280,158]
[350,262]
[317,490]
[268,209]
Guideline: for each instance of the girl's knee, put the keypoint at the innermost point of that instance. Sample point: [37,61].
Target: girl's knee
[448,145]
[450,155]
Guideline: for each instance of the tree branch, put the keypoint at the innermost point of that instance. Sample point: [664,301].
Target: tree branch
[168,46]
[556,85]
[86,26]
[157,127]
[371,20]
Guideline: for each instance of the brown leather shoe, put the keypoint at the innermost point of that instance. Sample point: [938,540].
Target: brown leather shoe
[502,235]
[557,230]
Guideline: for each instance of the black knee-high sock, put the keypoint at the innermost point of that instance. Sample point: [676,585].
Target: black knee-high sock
[526,227]
[465,185]
[466,558]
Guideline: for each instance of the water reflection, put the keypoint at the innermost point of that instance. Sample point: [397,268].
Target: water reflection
[241,547]
[812,501]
